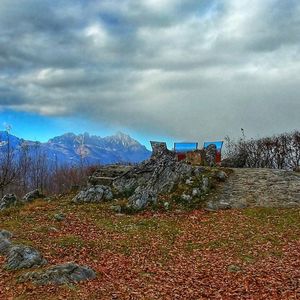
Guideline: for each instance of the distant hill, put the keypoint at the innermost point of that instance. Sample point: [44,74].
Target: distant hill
[70,148]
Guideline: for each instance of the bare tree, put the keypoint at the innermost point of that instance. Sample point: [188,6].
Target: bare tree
[82,151]
[8,166]
[39,168]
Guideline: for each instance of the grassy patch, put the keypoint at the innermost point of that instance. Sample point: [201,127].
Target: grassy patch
[70,240]
[150,252]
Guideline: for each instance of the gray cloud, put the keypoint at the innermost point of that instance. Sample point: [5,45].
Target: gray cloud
[188,69]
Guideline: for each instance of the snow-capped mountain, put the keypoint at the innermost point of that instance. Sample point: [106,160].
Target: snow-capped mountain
[71,149]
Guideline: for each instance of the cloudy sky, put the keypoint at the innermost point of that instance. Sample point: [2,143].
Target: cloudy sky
[174,69]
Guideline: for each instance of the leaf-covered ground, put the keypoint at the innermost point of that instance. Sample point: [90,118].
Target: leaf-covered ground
[235,254]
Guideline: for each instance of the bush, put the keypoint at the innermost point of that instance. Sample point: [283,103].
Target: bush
[276,152]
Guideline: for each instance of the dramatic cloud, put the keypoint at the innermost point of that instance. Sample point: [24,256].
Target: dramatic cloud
[191,69]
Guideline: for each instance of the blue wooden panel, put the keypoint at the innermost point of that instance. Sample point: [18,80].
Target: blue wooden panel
[185,147]
[218,144]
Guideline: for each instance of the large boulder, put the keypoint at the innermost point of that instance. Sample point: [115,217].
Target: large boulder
[158,175]
[61,274]
[8,200]
[23,257]
[94,194]
[33,195]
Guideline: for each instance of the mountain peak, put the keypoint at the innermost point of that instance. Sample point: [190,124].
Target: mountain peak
[121,134]
[69,135]
[117,148]
[123,140]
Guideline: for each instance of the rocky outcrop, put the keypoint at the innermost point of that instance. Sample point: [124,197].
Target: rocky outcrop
[94,194]
[142,184]
[23,257]
[61,274]
[31,196]
[8,200]
[159,175]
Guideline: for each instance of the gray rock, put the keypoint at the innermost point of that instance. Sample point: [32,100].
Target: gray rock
[211,206]
[8,200]
[23,257]
[158,175]
[94,194]
[186,198]
[166,205]
[116,208]
[61,274]
[189,181]
[5,246]
[223,205]
[221,176]
[59,217]
[217,205]
[198,170]
[4,234]
[196,192]
[205,184]
[108,195]
[31,196]
[142,198]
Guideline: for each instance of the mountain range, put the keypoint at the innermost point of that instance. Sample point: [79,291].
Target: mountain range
[72,149]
